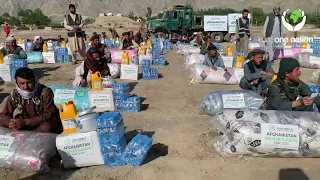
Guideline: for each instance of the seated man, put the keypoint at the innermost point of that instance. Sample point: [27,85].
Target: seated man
[11,47]
[205,45]
[127,43]
[213,58]
[97,59]
[257,73]
[284,91]
[30,106]
[37,45]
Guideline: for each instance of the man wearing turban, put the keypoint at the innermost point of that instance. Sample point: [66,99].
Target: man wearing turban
[11,47]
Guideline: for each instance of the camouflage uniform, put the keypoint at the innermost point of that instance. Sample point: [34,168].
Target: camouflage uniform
[278,100]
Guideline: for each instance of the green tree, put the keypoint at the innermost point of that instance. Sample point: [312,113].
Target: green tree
[149,12]
[131,15]
[13,21]
[34,17]
[6,15]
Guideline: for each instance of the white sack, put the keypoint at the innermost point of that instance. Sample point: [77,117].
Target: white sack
[191,59]
[203,74]
[242,132]
[308,60]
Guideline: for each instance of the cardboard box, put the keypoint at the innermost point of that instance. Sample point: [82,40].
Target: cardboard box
[5,73]
[129,72]
[48,57]
[103,100]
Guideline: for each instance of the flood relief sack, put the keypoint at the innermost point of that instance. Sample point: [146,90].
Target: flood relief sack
[308,60]
[191,59]
[217,101]
[203,74]
[26,150]
[268,133]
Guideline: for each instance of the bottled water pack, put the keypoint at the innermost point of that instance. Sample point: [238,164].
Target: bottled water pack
[131,104]
[145,63]
[137,150]
[121,91]
[161,61]
[16,64]
[150,74]
[111,137]
[62,56]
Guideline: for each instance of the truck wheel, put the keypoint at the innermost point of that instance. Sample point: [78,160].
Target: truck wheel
[217,37]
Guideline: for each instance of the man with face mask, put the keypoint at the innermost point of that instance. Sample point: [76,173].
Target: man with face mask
[257,73]
[284,91]
[37,45]
[73,23]
[273,28]
[243,32]
[30,106]
[11,47]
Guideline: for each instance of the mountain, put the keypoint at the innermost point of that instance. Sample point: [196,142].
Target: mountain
[139,7]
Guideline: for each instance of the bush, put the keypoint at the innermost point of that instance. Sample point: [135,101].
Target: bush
[89,21]
[34,17]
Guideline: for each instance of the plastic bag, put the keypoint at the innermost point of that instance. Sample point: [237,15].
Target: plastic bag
[243,133]
[78,95]
[315,76]
[191,59]
[213,102]
[114,69]
[308,60]
[203,74]
[187,48]
[26,150]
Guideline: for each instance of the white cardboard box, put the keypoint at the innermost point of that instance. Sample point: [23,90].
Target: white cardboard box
[228,61]
[79,149]
[5,73]
[142,57]
[103,100]
[129,72]
[48,57]
[239,73]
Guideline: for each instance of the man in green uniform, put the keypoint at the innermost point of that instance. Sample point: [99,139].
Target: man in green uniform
[284,91]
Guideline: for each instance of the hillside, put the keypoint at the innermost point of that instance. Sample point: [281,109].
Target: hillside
[139,7]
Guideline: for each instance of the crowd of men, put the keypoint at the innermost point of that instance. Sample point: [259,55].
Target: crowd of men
[30,106]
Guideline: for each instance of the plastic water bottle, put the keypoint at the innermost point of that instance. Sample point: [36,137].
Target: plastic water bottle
[137,150]
[121,91]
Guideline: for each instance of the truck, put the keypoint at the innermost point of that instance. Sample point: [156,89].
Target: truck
[181,20]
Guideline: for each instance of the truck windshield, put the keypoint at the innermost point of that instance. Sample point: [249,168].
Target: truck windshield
[166,15]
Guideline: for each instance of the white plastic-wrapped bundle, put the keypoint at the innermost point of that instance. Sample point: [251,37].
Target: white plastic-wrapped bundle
[26,150]
[315,76]
[203,74]
[191,59]
[182,49]
[308,60]
[114,69]
[268,133]
[217,101]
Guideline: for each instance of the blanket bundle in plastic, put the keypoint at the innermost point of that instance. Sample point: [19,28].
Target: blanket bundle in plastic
[268,133]
[308,60]
[202,74]
[192,59]
[217,101]
[26,150]
[187,49]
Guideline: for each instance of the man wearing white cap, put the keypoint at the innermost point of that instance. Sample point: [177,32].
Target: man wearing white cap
[37,45]
[12,48]
[273,28]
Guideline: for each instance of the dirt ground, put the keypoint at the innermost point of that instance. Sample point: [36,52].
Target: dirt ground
[182,139]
